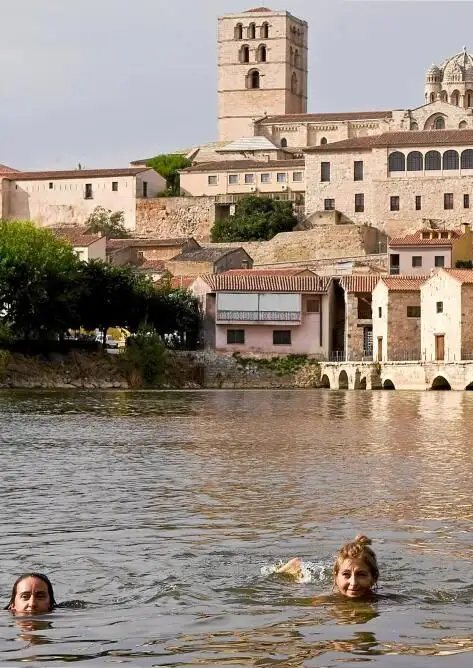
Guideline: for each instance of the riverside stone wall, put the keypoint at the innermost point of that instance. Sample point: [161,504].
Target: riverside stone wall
[175,217]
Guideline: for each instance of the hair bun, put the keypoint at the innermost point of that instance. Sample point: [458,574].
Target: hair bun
[363,540]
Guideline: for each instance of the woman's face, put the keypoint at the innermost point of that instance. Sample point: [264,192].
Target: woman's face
[354,578]
[32,597]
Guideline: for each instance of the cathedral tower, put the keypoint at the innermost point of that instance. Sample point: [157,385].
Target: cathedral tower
[262,69]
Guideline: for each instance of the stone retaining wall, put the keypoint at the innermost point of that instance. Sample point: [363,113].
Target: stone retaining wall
[175,217]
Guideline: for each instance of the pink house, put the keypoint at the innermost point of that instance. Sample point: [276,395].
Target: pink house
[263,312]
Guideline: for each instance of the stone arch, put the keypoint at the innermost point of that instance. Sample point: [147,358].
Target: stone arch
[253,79]
[238,31]
[297,58]
[388,385]
[450,160]
[252,31]
[469,387]
[440,383]
[245,54]
[261,53]
[360,383]
[469,98]
[462,125]
[444,96]
[432,97]
[439,123]
[433,160]
[466,159]
[455,97]
[343,380]
[414,126]
[264,31]
[283,142]
[323,141]
[396,162]
[294,83]
[325,382]
[415,161]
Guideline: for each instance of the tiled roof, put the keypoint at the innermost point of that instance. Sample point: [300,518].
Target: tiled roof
[203,255]
[268,272]
[258,10]
[461,275]
[400,139]
[181,281]
[416,239]
[5,169]
[246,165]
[76,174]
[331,116]
[263,283]
[359,282]
[152,265]
[404,283]
[77,236]
[248,144]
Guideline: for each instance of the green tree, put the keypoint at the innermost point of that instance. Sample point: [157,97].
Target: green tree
[111,225]
[39,276]
[255,219]
[168,165]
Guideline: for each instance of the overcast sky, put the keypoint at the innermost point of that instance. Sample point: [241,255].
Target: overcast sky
[103,82]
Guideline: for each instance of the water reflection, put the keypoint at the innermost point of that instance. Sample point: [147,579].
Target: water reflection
[29,626]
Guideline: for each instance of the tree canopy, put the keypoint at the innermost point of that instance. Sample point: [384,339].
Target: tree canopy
[168,165]
[255,219]
[110,225]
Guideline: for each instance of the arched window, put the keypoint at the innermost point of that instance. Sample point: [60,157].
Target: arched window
[238,31]
[264,31]
[414,126]
[439,123]
[469,98]
[462,125]
[253,79]
[433,160]
[467,159]
[444,96]
[283,142]
[323,141]
[396,162]
[415,161]
[294,83]
[251,31]
[450,160]
[455,98]
[291,56]
[245,54]
[261,54]
[432,97]
[297,59]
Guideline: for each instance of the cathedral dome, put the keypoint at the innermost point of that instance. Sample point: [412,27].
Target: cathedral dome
[458,68]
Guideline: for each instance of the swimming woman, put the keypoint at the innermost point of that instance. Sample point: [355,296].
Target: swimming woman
[355,571]
[32,594]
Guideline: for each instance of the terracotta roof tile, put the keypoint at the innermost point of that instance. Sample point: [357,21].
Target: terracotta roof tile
[262,283]
[268,272]
[76,174]
[416,239]
[181,282]
[400,139]
[5,169]
[76,236]
[461,275]
[404,283]
[152,265]
[244,165]
[359,282]
[324,117]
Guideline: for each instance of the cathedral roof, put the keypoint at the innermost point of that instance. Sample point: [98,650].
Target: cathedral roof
[400,139]
[324,117]
[258,10]
[248,144]
[456,69]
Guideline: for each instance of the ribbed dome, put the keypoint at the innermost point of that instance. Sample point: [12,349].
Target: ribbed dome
[433,69]
[458,68]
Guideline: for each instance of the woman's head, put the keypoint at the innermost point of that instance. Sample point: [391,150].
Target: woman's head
[32,594]
[355,571]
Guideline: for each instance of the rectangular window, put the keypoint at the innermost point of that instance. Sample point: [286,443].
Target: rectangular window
[329,204]
[358,170]
[394,205]
[413,311]
[145,188]
[281,177]
[325,171]
[265,178]
[233,178]
[359,202]
[297,176]
[313,305]
[448,200]
[439,307]
[282,337]
[440,261]
[249,178]
[418,202]
[51,185]
[380,311]
[466,201]
[417,260]
[212,180]
[114,186]
[235,336]
[88,194]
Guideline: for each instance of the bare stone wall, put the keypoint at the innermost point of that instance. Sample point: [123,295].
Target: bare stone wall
[355,327]
[403,331]
[467,318]
[175,217]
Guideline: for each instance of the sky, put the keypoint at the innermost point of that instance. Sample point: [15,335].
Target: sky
[104,82]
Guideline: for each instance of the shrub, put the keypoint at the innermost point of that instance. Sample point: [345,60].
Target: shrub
[146,357]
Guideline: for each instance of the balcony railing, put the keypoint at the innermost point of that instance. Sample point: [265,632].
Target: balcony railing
[365,314]
[394,269]
[259,316]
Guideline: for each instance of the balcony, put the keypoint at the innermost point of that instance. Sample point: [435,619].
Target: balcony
[364,313]
[258,316]
[394,269]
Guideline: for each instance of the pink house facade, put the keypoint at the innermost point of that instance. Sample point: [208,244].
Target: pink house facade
[263,313]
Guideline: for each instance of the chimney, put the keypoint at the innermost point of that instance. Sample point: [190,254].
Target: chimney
[465,227]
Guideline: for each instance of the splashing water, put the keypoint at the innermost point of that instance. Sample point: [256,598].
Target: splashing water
[311,571]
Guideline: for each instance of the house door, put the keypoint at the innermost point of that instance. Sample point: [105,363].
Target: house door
[380,348]
[440,347]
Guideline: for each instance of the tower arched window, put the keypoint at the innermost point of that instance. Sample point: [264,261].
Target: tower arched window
[238,31]
[245,54]
[432,97]
[415,161]
[397,162]
[265,30]
[323,141]
[294,83]
[414,125]
[462,125]
[283,142]
[450,160]
[469,98]
[439,123]
[455,98]
[444,96]
[297,58]
[251,31]
[253,79]
[433,161]
[291,56]
[261,54]
[467,159]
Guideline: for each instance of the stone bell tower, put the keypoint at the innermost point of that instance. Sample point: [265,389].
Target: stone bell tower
[262,69]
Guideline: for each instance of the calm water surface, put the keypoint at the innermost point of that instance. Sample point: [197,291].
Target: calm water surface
[165,512]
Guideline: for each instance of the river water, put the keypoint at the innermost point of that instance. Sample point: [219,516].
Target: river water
[166,511]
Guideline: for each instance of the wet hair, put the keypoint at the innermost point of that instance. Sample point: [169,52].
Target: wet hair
[38,576]
[357,549]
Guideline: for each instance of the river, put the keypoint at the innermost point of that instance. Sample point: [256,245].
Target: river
[166,511]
